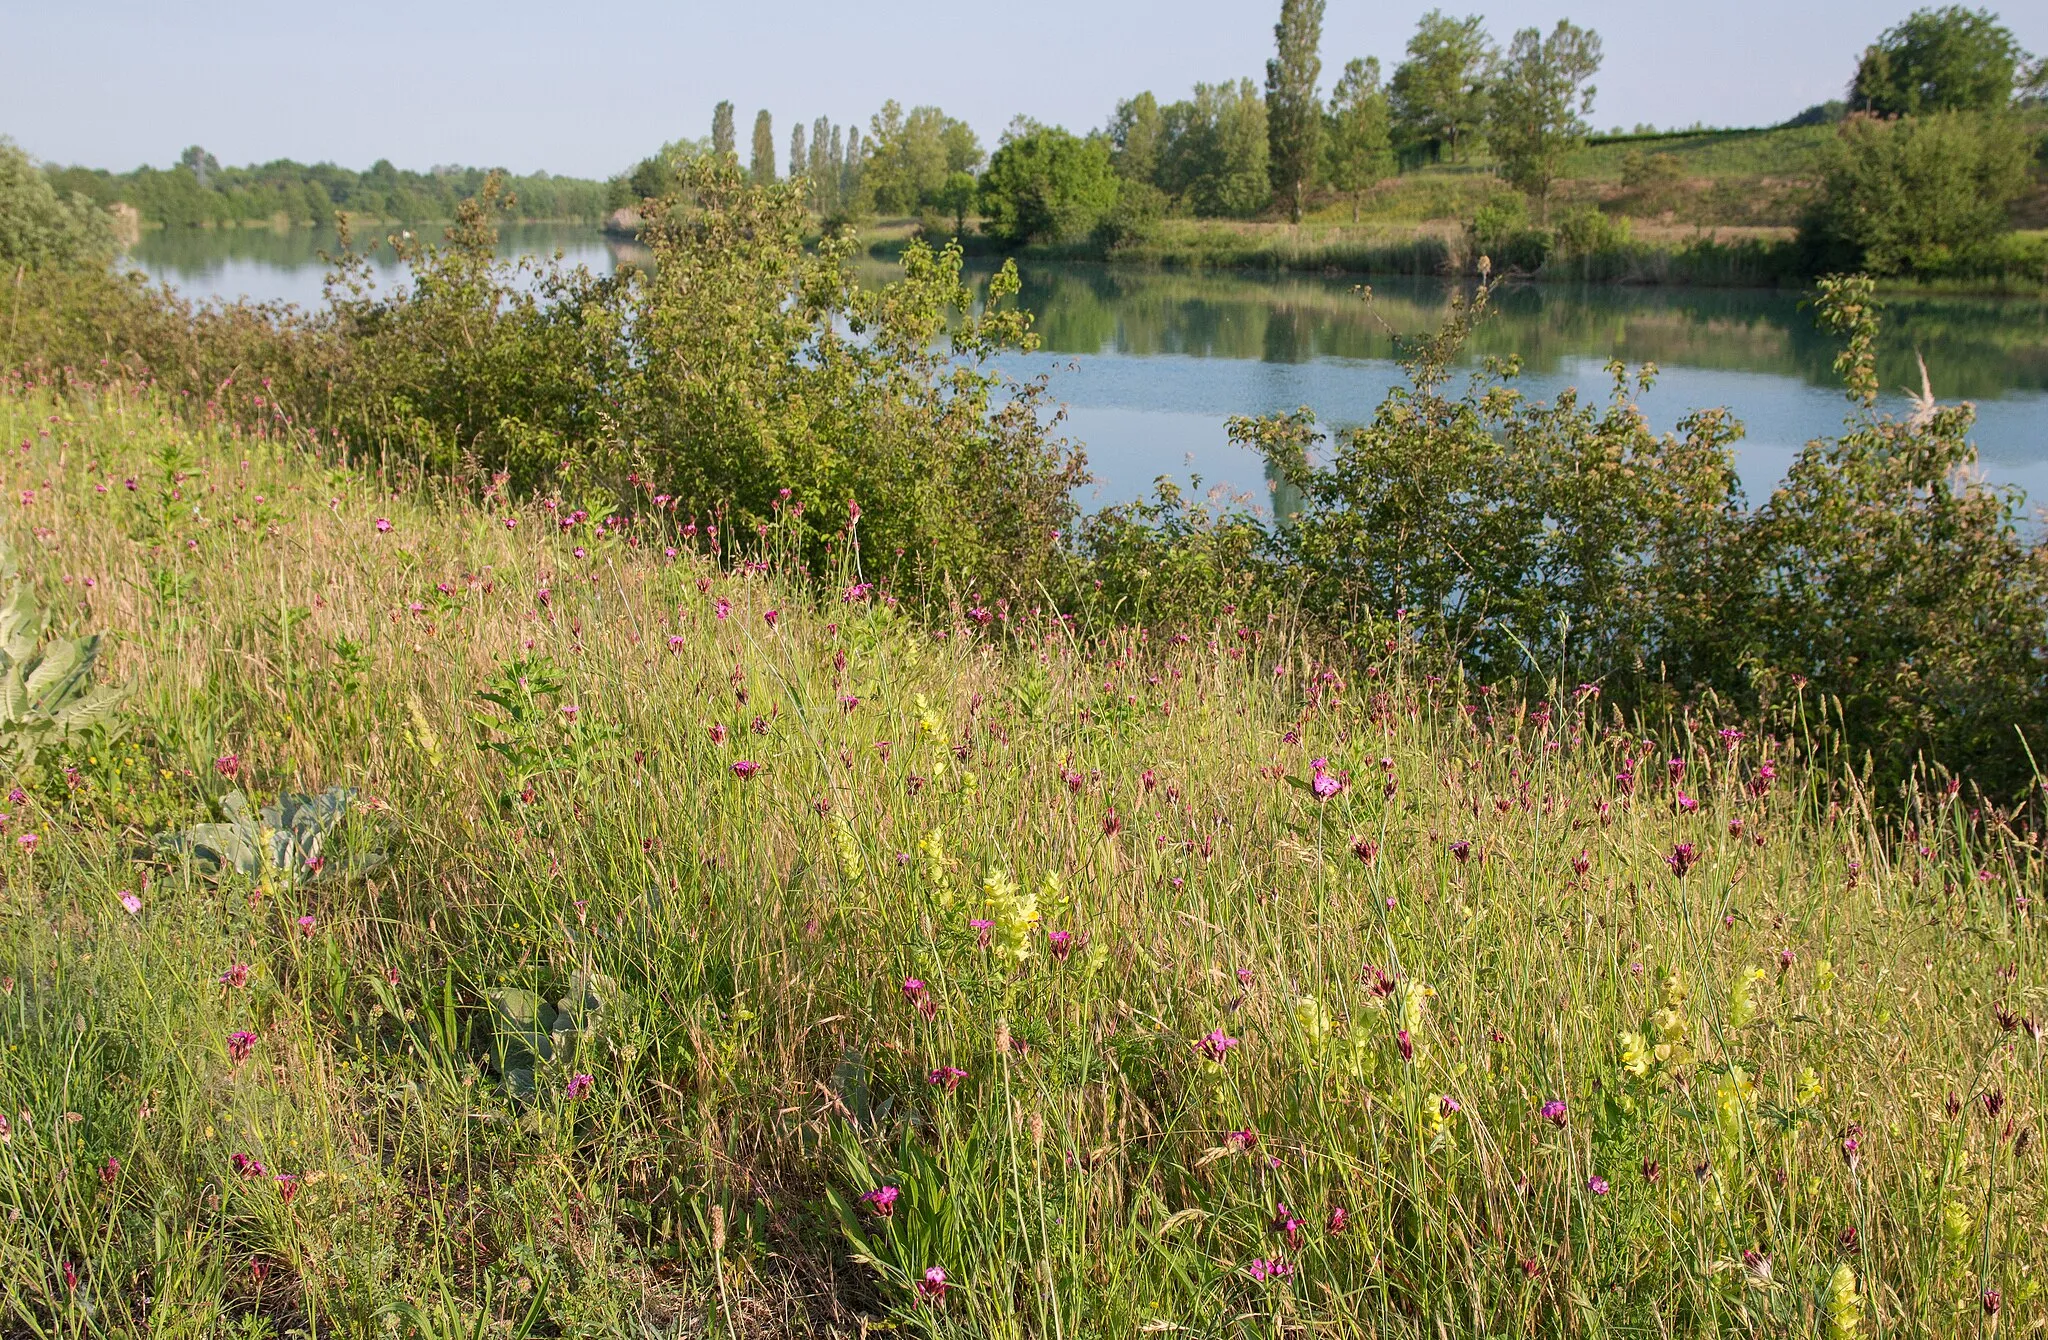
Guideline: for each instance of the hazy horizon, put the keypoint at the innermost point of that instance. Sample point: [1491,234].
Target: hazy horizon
[422,84]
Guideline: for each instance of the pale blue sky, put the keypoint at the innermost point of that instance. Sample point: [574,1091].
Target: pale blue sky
[587,89]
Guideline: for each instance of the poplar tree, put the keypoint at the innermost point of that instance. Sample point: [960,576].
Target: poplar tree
[1538,103]
[799,156]
[1294,117]
[763,165]
[820,171]
[721,131]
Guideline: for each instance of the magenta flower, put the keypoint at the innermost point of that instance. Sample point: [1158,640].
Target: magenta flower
[578,1086]
[1216,1044]
[1406,1043]
[1338,1221]
[383,525]
[946,1077]
[1323,782]
[1365,849]
[982,930]
[1263,1270]
[882,1200]
[306,924]
[1683,858]
[1462,850]
[1597,1184]
[28,841]
[1286,1222]
[1449,1106]
[745,768]
[236,975]
[723,608]
[131,903]
[1061,943]
[287,1187]
[240,1043]
[1553,1112]
[246,1166]
[933,1285]
[227,765]
[1242,1141]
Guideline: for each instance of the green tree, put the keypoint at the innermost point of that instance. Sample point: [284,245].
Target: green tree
[722,141]
[909,156]
[1940,60]
[1916,194]
[1136,133]
[1438,94]
[1538,102]
[202,165]
[762,166]
[40,227]
[799,152]
[1359,150]
[823,175]
[1045,184]
[1294,116]
[1213,161]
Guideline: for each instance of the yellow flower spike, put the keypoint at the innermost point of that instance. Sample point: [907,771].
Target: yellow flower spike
[1845,1308]
[1635,1054]
[1809,1090]
[1408,1013]
[1313,1019]
[1824,976]
[1742,997]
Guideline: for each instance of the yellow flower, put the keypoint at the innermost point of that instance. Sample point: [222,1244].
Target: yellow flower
[1635,1054]
[1809,1086]
[1408,1011]
[847,845]
[1312,1017]
[1845,1309]
[1824,976]
[1742,997]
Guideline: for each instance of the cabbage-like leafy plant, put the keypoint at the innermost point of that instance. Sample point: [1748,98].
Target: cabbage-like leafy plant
[46,693]
[527,1032]
[281,845]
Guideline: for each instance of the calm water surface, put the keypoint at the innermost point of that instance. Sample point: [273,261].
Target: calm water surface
[1150,364]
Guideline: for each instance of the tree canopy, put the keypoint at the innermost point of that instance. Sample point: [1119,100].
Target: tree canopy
[1538,103]
[1294,116]
[1438,94]
[1046,184]
[1940,60]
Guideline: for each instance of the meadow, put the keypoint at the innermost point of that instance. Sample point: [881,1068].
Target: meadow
[697,947]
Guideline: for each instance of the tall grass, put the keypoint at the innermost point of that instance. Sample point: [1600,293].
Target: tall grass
[1531,1024]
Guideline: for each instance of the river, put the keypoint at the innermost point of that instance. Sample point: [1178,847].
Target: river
[1151,363]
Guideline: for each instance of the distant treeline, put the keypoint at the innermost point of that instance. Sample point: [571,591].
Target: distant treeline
[199,192]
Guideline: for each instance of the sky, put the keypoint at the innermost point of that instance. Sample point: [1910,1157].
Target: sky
[586,91]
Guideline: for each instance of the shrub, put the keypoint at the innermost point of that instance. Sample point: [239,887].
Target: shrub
[1047,185]
[39,227]
[1501,232]
[1916,195]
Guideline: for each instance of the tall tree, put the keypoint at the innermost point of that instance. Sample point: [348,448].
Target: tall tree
[1359,152]
[1212,160]
[1438,94]
[850,168]
[1135,135]
[1538,103]
[762,167]
[200,164]
[722,142]
[799,153]
[1294,117]
[1940,60]
[819,169]
[911,155]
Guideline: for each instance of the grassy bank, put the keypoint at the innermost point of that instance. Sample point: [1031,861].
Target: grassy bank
[737,963]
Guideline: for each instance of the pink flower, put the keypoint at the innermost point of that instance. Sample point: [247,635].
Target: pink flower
[246,1166]
[227,765]
[287,1187]
[1597,1184]
[933,1285]
[131,903]
[1553,1112]
[1338,1221]
[27,841]
[1285,1221]
[1323,782]
[745,768]
[982,929]
[1061,943]
[1215,1044]
[882,1200]
[240,1043]
[1683,857]
[306,924]
[236,975]
[724,608]
[578,1086]
[383,525]
[946,1077]
[1241,1141]
[1263,1270]
[1686,804]
[771,616]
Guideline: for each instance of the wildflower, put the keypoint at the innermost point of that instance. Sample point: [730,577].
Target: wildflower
[1448,1106]
[1582,863]
[383,525]
[227,765]
[306,924]
[946,1077]
[1324,783]
[983,928]
[1406,1043]
[1286,1222]
[1263,1270]
[1215,1044]
[240,1042]
[110,1171]
[1686,804]
[246,1166]
[27,841]
[1683,858]
[577,1086]
[130,902]
[933,1284]
[1061,943]
[237,975]
[1652,1170]
[723,608]
[1553,1112]
[770,617]
[287,1187]
[1241,1141]
[882,1200]
[1365,849]
[1597,1185]
[1992,1301]
[1337,1222]
[745,768]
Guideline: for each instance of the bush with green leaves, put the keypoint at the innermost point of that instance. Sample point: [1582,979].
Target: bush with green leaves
[39,226]
[46,690]
[1920,195]
[1047,185]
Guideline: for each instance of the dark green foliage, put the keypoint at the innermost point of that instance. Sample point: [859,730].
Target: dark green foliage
[909,157]
[1538,102]
[1047,185]
[1940,60]
[201,192]
[1439,92]
[722,141]
[1501,232]
[41,226]
[1358,148]
[1136,134]
[1294,115]
[1212,160]
[1918,195]
[762,168]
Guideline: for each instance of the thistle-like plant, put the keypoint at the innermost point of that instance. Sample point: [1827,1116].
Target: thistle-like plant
[46,692]
[278,846]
